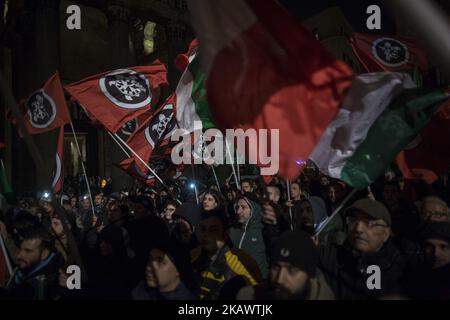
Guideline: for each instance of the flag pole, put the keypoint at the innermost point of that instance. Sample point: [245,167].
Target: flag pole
[288,189]
[118,143]
[140,159]
[5,254]
[82,166]
[232,165]
[39,163]
[215,177]
[336,211]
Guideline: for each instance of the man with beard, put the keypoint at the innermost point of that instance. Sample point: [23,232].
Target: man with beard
[39,262]
[293,272]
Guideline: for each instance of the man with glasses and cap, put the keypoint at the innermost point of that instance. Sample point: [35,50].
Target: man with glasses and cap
[368,244]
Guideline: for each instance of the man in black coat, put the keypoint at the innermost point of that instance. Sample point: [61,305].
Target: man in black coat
[368,265]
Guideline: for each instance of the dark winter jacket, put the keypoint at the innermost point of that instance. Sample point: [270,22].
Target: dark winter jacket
[249,237]
[25,284]
[346,270]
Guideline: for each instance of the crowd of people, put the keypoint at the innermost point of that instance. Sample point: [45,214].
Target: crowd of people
[250,241]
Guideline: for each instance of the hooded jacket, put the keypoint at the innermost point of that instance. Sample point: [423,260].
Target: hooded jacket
[249,237]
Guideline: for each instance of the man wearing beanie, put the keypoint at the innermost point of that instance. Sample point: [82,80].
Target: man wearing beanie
[368,244]
[293,272]
[431,280]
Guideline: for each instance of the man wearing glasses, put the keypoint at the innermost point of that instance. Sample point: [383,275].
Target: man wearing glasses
[368,243]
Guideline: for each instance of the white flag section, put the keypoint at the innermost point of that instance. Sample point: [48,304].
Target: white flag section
[369,95]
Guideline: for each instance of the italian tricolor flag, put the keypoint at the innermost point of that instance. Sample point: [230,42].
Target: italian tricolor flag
[191,102]
[381,114]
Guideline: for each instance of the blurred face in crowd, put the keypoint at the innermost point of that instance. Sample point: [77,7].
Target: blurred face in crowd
[243,211]
[324,181]
[57,227]
[31,253]
[98,200]
[391,195]
[295,191]
[246,187]
[169,210]
[106,248]
[435,211]
[274,194]
[288,282]
[47,206]
[438,252]
[184,231]
[213,235]
[209,202]
[73,202]
[161,272]
[114,214]
[306,215]
[163,194]
[85,204]
[335,193]
[139,211]
[365,233]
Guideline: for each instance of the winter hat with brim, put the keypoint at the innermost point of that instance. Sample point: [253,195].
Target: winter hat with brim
[373,208]
[297,249]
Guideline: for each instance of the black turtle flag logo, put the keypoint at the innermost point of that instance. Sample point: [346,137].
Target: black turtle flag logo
[126,88]
[41,109]
[390,52]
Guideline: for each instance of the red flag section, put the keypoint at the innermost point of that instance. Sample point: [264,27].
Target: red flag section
[265,71]
[45,109]
[58,178]
[384,53]
[429,154]
[130,167]
[118,96]
[154,132]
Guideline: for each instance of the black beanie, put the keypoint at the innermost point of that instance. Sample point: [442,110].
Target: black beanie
[296,248]
[179,257]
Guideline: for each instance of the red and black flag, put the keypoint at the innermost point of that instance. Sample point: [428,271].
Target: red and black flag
[154,132]
[45,109]
[378,53]
[58,176]
[119,96]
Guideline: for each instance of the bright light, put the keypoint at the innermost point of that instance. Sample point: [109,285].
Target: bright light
[46,194]
[192,186]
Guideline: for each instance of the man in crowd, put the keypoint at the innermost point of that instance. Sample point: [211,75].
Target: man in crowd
[221,268]
[431,280]
[247,185]
[293,272]
[38,262]
[346,266]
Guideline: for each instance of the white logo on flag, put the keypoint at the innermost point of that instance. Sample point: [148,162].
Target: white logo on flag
[390,52]
[41,109]
[126,88]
